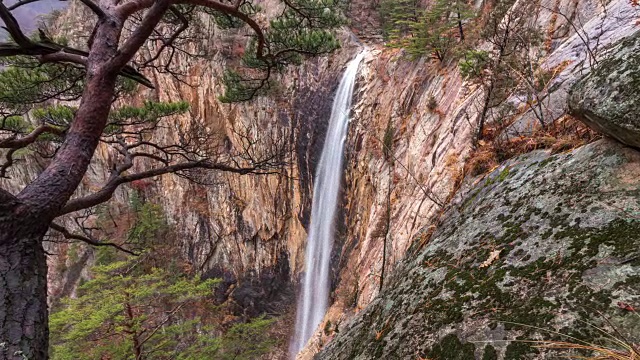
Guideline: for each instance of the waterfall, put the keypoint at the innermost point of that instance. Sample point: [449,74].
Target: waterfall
[313,300]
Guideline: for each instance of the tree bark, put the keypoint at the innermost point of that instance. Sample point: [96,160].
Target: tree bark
[25,218]
[24,330]
[483,115]
[51,190]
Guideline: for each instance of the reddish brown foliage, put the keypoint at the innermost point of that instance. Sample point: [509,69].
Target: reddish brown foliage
[564,134]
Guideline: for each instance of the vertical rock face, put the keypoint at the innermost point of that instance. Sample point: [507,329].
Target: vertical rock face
[249,226]
[365,20]
[247,223]
[404,160]
[409,137]
[541,246]
[608,98]
[396,322]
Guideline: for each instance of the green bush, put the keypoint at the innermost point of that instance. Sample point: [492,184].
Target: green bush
[129,312]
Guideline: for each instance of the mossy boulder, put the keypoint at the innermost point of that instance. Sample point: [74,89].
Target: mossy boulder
[608,98]
[541,249]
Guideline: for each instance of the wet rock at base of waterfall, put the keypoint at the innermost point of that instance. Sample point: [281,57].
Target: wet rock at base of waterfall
[543,245]
[608,99]
[269,291]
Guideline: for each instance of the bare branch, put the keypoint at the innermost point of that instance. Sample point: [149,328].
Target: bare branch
[580,32]
[11,25]
[184,24]
[20,3]
[62,57]
[70,236]
[130,7]
[141,34]
[234,12]
[107,191]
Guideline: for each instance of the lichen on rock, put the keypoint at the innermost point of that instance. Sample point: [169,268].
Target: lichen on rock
[607,99]
[566,233]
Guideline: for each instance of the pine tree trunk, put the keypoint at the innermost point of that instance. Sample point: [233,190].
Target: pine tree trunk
[460,28]
[25,218]
[24,330]
[483,115]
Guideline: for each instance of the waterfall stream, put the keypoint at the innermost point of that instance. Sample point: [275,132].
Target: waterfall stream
[313,301]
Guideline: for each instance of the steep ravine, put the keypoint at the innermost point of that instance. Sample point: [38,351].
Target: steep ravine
[254,228]
[390,196]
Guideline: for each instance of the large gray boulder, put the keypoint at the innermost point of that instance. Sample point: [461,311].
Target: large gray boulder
[608,98]
[543,245]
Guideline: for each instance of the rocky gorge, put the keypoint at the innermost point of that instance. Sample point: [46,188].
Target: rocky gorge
[437,255]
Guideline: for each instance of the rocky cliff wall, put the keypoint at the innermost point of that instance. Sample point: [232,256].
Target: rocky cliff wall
[405,322]
[427,115]
[408,142]
[542,246]
[229,225]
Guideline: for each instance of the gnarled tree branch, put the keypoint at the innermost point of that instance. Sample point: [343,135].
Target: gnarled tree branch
[13,143]
[49,51]
[131,46]
[111,186]
[85,239]
[234,12]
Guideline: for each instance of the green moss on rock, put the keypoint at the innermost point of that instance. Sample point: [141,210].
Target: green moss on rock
[451,348]
[607,98]
[489,353]
[526,267]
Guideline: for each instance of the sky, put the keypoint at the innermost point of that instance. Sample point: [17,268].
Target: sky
[27,15]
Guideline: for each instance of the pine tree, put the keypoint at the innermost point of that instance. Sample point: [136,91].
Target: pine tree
[434,30]
[150,306]
[132,311]
[126,312]
[397,17]
[40,71]
[508,67]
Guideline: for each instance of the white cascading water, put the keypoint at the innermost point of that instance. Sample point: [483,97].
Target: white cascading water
[313,301]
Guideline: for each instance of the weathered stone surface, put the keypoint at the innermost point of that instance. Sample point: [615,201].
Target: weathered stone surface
[608,98]
[571,54]
[245,226]
[545,241]
[386,200]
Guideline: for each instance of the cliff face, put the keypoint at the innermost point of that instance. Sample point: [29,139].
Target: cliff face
[542,246]
[249,227]
[442,296]
[409,139]
[411,136]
